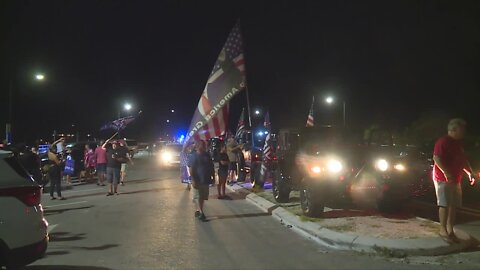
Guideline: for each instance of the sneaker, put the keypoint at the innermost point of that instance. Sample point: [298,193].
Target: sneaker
[122,184]
[116,193]
[53,198]
[109,194]
[197,214]
[203,217]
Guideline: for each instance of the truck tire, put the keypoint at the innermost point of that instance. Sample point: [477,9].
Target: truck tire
[280,189]
[312,206]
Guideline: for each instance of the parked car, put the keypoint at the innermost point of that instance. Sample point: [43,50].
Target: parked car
[331,165]
[23,228]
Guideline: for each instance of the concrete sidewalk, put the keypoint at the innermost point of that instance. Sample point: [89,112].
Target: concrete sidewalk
[428,245]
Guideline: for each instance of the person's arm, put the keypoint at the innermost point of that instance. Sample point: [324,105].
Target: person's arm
[469,171]
[441,166]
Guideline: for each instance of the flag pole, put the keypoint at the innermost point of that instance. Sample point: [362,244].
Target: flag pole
[249,115]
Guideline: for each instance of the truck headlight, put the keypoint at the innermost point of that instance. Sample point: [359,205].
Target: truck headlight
[382,165]
[334,166]
[316,169]
[167,156]
[400,167]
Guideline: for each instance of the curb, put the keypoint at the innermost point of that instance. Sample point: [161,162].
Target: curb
[345,241]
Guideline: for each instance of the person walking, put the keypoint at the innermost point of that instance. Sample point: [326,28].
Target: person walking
[113,167]
[450,163]
[222,172]
[202,172]
[101,158]
[124,158]
[90,162]
[232,151]
[184,171]
[55,173]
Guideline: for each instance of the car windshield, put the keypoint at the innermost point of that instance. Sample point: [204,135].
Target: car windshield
[315,141]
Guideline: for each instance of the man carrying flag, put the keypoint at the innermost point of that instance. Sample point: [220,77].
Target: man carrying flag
[267,153]
[225,81]
[310,119]
[239,135]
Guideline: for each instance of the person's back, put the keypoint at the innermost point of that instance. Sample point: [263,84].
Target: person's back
[101,155]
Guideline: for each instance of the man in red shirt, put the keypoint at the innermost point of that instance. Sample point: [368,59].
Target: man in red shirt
[450,165]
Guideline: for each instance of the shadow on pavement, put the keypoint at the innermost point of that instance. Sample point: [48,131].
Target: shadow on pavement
[48,212]
[55,253]
[104,247]
[65,237]
[232,196]
[212,218]
[64,267]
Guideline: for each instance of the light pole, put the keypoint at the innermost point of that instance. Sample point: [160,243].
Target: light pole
[330,100]
[8,126]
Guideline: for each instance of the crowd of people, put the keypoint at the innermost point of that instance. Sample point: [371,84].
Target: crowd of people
[107,160]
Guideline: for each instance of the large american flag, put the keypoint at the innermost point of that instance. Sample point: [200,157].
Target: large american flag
[310,119]
[241,126]
[267,150]
[119,124]
[211,116]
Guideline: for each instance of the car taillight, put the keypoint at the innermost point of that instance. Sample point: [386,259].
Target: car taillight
[30,196]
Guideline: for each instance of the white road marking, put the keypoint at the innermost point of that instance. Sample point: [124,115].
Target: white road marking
[51,227]
[63,204]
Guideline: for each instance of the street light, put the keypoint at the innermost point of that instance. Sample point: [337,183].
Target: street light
[173,111]
[8,126]
[330,100]
[257,112]
[127,106]
[39,77]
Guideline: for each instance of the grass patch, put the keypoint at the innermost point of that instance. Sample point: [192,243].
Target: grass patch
[376,226]
[342,228]
[311,219]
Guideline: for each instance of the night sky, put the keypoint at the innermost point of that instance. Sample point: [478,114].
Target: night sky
[390,61]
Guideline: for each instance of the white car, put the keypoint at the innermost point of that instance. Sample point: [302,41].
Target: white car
[170,154]
[23,229]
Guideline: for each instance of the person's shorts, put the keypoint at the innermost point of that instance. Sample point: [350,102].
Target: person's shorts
[232,166]
[201,192]
[113,175]
[102,168]
[124,167]
[448,194]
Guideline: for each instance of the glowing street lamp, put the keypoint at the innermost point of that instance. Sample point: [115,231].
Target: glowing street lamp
[39,77]
[330,100]
[127,106]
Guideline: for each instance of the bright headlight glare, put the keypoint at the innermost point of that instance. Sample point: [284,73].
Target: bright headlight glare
[400,167]
[316,169]
[382,165]
[166,156]
[334,166]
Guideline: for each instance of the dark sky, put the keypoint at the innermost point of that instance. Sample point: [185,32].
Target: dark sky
[390,61]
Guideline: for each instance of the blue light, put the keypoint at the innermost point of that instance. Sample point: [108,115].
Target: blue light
[266,132]
[260,133]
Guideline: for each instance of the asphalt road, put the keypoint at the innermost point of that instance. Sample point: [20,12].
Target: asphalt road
[150,225]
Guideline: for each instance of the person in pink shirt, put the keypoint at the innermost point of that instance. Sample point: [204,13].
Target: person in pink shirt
[101,157]
[90,162]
